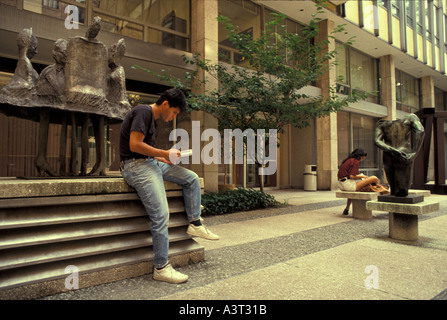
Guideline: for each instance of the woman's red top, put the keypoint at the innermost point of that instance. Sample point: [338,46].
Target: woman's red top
[349,167]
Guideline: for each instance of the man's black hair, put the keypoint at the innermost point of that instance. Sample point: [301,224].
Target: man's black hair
[175,97]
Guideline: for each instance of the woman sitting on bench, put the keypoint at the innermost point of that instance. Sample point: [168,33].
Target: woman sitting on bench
[349,178]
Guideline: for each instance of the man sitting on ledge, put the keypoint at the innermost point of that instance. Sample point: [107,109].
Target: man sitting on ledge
[144,167]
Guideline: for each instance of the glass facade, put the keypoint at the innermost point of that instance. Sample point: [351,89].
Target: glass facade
[415,27]
[244,14]
[440,100]
[357,131]
[356,70]
[407,92]
[164,22]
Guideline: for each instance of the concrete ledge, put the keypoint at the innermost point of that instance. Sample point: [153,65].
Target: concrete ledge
[404,208]
[357,195]
[425,193]
[24,188]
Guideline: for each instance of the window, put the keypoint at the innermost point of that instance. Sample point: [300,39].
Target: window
[419,16]
[396,8]
[356,70]
[440,100]
[407,92]
[165,22]
[291,27]
[438,25]
[409,10]
[428,9]
[55,9]
[341,67]
[382,3]
[357,131]
[363,72]
[363,131]
[151,21]
[244,14]
[344,135]
[445,32]
[51,4]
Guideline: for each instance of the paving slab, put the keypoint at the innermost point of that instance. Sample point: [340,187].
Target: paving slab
[371,268]
[235,233]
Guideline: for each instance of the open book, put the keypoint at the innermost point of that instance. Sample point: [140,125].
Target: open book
[186,153]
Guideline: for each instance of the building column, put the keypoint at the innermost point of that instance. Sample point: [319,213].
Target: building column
[326,127]
[428,101]
[388,85]
[204,40]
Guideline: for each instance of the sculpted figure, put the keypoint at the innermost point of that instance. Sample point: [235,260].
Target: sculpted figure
[52,78]
[116,97]
[116,84]
[51,84]
[400,141]
[25,77]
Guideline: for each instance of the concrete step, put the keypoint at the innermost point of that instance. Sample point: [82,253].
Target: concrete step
[42,273]
[72,210]
[42,235]
[31,255]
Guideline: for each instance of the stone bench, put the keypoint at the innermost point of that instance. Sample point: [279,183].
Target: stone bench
[403,217]
[359,199]
[97,224]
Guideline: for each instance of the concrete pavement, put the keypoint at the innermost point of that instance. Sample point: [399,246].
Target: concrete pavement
[305,250]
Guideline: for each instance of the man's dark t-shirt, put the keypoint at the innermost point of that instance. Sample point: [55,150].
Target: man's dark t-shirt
[140,119]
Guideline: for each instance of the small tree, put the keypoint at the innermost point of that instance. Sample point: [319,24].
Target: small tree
[267,95]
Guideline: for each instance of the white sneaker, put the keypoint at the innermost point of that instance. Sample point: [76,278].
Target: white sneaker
[201,232]
[169,274]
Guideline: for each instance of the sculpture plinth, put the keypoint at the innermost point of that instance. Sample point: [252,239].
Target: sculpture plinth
[411,198]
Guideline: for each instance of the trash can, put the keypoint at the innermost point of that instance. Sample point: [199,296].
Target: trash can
[310,177]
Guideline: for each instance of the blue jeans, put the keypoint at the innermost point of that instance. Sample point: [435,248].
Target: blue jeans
[146,177]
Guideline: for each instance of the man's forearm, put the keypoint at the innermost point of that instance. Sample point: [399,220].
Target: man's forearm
[147,150]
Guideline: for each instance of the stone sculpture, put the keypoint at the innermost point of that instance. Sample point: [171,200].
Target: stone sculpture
[400,141]
[116,80]
[52,78]
[51,85]
[86,83]
[22,85]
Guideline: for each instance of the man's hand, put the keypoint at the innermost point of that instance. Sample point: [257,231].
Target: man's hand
[161,159]
[173,155]
[170,156]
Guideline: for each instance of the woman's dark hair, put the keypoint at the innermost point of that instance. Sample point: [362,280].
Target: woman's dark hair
[356,154]
[175,97]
